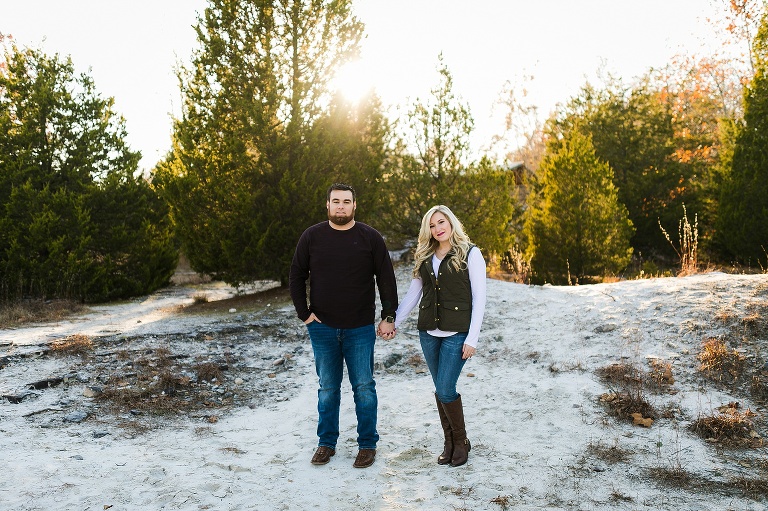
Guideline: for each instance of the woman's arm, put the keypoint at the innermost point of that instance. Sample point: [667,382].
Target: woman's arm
[477,279]
[409,301]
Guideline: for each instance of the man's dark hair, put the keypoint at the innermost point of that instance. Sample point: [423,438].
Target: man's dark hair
[344,187]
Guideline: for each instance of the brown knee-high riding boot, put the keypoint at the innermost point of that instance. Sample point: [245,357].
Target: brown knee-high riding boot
[461,446]
[445,458]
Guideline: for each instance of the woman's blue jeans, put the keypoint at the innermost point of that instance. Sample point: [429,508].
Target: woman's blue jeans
[443,357]
[333,347]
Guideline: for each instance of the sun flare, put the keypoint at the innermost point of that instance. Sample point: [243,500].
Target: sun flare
[353,81]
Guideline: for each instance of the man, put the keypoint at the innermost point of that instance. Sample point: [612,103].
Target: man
[340,258]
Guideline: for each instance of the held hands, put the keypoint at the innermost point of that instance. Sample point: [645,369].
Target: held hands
[386,330]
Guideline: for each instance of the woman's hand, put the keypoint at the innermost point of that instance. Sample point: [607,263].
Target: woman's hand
[467,352]
[312,318]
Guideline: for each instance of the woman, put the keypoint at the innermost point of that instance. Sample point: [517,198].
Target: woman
[449,285]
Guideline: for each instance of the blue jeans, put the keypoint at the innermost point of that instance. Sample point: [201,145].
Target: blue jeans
[443,357]
[333,347]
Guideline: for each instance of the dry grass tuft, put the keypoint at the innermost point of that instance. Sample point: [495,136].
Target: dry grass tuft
[730,428]
[625,405]
[759,388]
[77,344]
[208,371]
[200,298]
[155,383]
[672,476]
[627,399]
[36,311]
[660,373]
[725,316]
[621,374]
[233,450]
[415,360]
[609,453]
[755,322]
[718,362]
[502,501]
[617,496]
[755,488]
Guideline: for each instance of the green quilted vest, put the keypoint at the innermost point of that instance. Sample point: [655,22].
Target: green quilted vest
[446,301]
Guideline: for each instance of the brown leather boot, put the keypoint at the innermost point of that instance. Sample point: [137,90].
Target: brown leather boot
[461,446]
[445,458]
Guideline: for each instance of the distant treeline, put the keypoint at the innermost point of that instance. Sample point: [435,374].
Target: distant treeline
[587,194]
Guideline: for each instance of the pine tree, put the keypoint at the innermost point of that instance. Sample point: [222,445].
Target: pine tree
[434,166]
[75,220]
[742,227]
[241,178]
[576,226]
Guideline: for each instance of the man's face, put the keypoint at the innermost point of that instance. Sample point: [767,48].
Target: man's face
[341,207]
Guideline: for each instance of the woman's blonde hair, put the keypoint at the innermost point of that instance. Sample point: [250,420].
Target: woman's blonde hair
[426,245]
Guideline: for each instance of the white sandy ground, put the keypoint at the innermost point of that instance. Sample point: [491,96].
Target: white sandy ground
[531,401]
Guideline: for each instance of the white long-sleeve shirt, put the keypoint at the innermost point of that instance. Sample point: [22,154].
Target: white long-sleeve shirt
[476,268]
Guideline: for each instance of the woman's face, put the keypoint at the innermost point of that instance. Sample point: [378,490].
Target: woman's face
[440,227]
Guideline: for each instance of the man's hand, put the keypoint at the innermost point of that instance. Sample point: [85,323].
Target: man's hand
[312,318]
[386,330]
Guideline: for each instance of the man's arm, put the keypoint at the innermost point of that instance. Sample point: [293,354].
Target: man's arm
[385,278]
[297,279]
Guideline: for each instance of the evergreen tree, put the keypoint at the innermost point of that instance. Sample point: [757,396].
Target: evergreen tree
[742,228]
[659,139]
[576,226]
[434,166]
[241,178]
[75,221]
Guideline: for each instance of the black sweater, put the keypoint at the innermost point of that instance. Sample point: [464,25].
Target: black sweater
[340,267]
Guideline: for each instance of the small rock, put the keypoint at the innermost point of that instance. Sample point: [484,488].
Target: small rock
[76,417]
[44,384]
[18,398]
[392,359]
[610,327]
[239,381]
[232,310]
[77,457]
[93,391]
[278,362]
[100,434]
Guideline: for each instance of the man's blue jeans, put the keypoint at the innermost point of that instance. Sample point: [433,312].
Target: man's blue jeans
[333,347]
[443,357]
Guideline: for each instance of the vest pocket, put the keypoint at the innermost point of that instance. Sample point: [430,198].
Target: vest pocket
[455,306]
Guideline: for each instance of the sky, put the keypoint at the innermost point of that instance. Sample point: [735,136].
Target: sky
[131,48]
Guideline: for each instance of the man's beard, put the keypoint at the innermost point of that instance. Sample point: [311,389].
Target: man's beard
[340,219]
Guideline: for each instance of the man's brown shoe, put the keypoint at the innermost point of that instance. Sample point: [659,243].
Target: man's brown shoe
[322,455]
[365,458]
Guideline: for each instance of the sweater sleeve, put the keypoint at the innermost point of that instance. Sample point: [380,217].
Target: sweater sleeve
[477,279]
[409,301]
[385,277]
[297,280]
